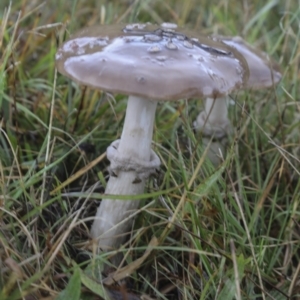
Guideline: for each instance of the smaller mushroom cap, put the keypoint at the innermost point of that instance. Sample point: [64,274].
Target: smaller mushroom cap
[156,62]
[263,72]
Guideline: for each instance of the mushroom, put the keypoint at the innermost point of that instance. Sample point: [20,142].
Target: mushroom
[263,73]
[149,64]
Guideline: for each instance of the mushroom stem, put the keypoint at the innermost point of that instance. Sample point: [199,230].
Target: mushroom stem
[113,220]
[216,110]
[213,121]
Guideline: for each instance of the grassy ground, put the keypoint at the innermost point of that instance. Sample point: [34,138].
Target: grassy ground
[237,234]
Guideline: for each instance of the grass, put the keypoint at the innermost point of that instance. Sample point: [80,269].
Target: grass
[235,230]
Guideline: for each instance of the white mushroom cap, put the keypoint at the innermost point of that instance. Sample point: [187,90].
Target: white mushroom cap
[263,72]
[154,62]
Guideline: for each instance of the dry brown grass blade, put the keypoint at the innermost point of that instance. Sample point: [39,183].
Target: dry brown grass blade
[130,268]
[15,275]
[79,173]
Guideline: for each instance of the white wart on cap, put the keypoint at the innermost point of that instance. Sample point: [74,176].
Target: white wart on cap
[160,63]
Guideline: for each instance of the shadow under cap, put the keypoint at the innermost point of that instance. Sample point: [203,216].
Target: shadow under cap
[157,62]
[263,71]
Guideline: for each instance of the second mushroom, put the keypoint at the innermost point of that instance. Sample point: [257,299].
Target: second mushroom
[149,64]
[213,121]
